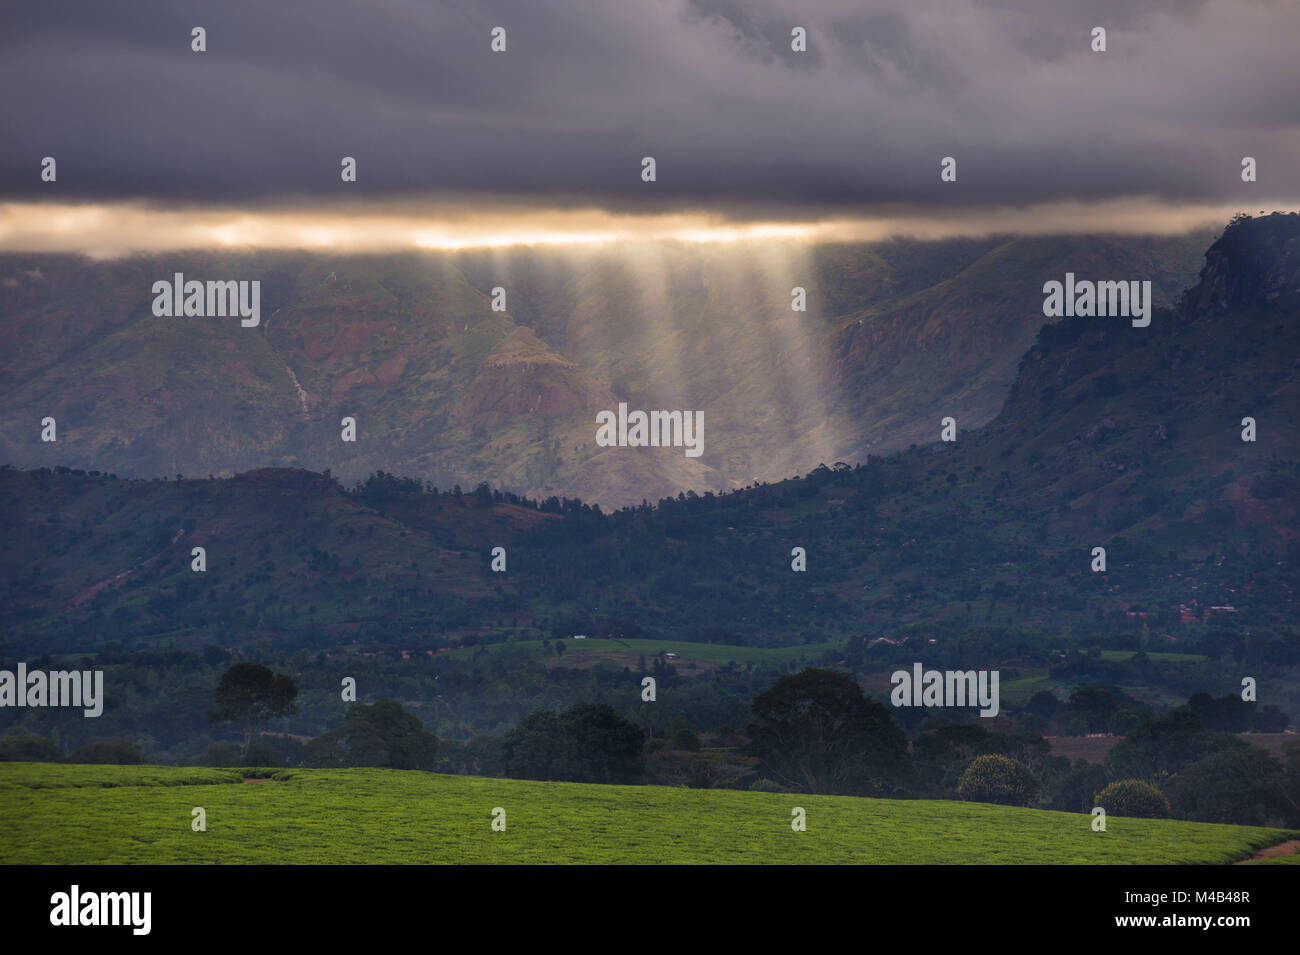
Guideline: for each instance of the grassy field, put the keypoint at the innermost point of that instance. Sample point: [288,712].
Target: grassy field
[1160,655]
[1020,691]
[130,814]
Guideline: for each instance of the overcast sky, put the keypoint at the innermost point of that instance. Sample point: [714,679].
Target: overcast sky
[710,88]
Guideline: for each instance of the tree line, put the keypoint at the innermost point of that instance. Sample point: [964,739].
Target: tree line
[813,731]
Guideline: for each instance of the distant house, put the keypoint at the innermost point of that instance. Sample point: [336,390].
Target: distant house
[669,656]
[580,636]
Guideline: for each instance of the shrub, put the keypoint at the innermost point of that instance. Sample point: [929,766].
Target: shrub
[220,754]
[997,779]
[29,749]
[261,752]
[117,751]
[1133,797]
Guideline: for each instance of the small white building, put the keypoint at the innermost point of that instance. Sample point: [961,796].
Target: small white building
[580,636]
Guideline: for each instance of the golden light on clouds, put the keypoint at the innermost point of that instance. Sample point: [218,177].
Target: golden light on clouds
[105,230]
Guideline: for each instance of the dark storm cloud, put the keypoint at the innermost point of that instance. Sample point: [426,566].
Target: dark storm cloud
[711,89]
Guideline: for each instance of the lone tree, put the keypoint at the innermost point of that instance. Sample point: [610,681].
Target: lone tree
[587,743]
[248,695]
[382,734]
[815,732]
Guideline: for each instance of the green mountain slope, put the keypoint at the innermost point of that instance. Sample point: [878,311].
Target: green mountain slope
[445,388]
[1116,437]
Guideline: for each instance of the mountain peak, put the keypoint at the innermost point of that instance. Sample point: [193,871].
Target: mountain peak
[1254,264]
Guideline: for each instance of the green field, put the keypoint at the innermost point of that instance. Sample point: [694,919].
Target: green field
[129,814]
[1018,692]
[1159,655]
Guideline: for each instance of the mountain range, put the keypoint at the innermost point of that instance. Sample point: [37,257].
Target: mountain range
[1110,436]
[896,336]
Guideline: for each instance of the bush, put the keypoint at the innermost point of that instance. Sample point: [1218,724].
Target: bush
[121,752]
[997,779]
[29,749]
[224,755]
[261,752]
[1133,797]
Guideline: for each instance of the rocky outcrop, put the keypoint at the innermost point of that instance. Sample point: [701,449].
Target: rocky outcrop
[1254,264]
